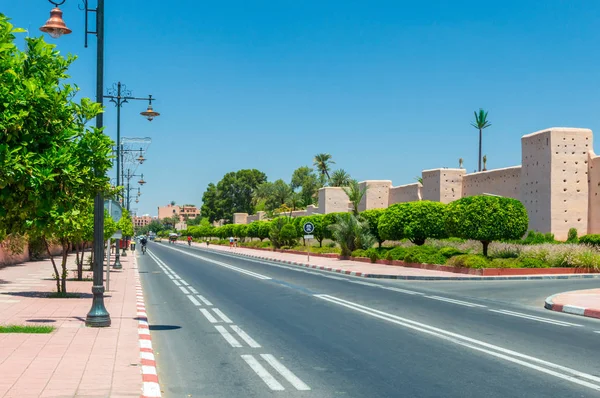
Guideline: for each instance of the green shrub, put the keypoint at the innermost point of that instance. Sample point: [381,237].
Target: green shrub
[486,218]
[529,262]
[415,221]
[591,239]
[397,253]
[282,233]
[424,255]
[389,256]
[470,261]
[536,238]
[572,236]
[319,232]
[373,255]
[505,263]
[372,217]
[331,244]
[359,253]
[449,252]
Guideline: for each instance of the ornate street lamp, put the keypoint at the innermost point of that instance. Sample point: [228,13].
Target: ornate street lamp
[55,26]
[150,113]
[141,159]
[141,181]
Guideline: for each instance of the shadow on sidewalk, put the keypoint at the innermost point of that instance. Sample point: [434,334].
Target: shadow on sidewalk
[45,295]
[159,328]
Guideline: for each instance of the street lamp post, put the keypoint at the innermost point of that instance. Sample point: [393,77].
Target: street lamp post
[98,316]
[119,95]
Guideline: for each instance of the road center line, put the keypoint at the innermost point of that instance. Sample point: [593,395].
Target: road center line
[176,282]
[535,318]
[263,373]
[228,337]
[285,372]
[221,315]
[208,315]
[568,374]
[205,301]
[193,300]
[459,302]
[249,340]
[183,289]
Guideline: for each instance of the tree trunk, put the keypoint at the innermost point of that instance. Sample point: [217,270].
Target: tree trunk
[80,262]
[56,274]
[379,244]
[65,254]
[479,158]
[485,247]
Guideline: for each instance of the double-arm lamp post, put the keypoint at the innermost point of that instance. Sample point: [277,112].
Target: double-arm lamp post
[119,95]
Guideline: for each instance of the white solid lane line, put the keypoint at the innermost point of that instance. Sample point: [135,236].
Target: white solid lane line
[176,283]
[221,315]
[208,315]
[228,337]
[453,301]
[263,373]
[193,300]
[397,289]
[205,301]
[249,340]
[561,372]
[222,264]
[183,289]
[535,318]
[285,372]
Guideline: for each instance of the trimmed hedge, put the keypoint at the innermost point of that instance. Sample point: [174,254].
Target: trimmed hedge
[415,221]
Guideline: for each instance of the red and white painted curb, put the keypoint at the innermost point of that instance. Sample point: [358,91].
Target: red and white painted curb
[571,309]
[150,386]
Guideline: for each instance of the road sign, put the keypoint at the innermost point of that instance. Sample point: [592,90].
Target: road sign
[309,236]
[309,228]
[114,209]
[117,235]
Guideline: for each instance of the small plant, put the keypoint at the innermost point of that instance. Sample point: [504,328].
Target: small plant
[34,329]
[373,255]
[592,239]
[572,236]
[470,261]
[389,256]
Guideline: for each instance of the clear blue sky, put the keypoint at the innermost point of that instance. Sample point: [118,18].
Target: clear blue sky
[387,87]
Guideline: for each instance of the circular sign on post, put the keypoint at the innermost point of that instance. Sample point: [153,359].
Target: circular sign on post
[114,209]
[309,228]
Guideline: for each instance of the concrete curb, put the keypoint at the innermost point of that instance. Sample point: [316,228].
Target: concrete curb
[570,309]
[150,386]
[414,277]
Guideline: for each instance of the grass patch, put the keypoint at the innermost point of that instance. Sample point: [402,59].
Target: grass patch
[64,295]
[26,329]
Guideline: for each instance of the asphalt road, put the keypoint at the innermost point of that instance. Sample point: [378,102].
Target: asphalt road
[225,326]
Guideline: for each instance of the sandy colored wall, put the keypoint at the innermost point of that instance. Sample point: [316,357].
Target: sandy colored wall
[8,258]
[594,194]
[405,193]
[377,195]
[503,182]
[240,218]
[333,200]
[167,211]
[442,185]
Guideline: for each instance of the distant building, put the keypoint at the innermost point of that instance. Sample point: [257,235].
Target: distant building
[142,221]
[184,212]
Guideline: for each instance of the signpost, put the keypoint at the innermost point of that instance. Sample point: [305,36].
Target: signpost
[309,228]
[115,211]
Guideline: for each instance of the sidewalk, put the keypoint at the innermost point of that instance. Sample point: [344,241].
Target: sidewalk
[369,270]
[73,360]
[578,302]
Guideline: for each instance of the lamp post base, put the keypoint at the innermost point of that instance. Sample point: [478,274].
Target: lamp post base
[98,317]
[117,264]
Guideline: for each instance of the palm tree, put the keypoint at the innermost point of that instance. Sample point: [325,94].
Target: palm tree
[322,162]
[355,195]
[340,178]
[351,233]
[484,162]
[480,123]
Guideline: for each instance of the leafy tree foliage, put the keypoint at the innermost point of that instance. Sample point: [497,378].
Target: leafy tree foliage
[355,195]
[487,218]
[340,178]
[305,179]
[372,218]
[415,221]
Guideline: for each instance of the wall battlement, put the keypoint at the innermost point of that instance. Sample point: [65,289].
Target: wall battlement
[558,181]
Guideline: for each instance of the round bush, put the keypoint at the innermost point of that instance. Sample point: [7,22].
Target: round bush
[415,221]
[469,261]
[486,218]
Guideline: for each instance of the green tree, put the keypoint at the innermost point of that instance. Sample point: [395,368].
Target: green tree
[323,162]
[486,218]
[305,179]
[51,164]
[480,124]
[415,221]
[282,232]
[351,233]
[372,218]
[125,224]
[355,195]
[210,206]
[320,231]
[340,178]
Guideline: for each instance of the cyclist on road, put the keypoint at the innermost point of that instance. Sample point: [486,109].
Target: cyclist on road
[143,242]
[189,240]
